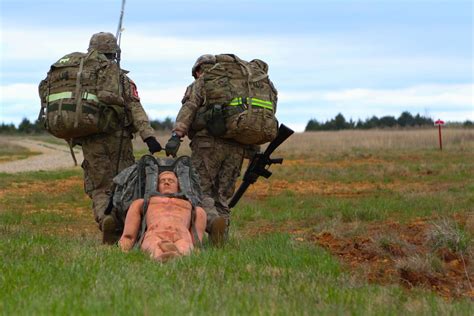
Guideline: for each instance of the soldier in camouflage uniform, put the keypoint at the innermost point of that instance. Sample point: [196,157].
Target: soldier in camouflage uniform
[106,154]
[217,160]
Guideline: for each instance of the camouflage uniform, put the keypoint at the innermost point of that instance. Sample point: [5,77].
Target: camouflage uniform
[101,151]
[217,160]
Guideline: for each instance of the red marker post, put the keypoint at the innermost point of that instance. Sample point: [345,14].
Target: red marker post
[439,123]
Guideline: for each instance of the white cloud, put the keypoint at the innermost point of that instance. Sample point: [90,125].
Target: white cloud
[19,92]
[440,94]
[446,95]
[303,65]
[138,47]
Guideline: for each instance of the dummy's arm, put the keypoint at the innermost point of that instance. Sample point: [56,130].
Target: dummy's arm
[132,225]
[201,219]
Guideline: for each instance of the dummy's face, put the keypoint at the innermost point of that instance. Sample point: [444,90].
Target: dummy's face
[168,183]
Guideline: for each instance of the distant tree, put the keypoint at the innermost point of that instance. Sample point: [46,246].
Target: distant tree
[7,128]
[387,121]
[313,125]
[26,127]
[421,120]
[351,124]
[340,122]
[158,125]
[468,123]
[406,119]
[38,127]
[372,122]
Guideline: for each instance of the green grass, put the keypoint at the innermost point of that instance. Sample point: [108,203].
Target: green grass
[266,275]
[45,273]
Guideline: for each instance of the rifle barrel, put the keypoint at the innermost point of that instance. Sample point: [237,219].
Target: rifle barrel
[237,195]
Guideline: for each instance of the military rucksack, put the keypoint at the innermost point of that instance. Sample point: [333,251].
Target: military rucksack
[71,105]
[140,181]
[241,100]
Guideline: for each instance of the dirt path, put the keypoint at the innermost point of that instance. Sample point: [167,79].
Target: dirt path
[52,157]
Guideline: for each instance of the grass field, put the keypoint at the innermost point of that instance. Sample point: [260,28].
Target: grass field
[363,223]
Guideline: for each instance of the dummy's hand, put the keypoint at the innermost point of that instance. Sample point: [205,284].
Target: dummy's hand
[125,244]
[153,145]
[172,145]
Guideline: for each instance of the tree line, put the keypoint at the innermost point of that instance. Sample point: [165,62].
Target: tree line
[406,119]
[37,127]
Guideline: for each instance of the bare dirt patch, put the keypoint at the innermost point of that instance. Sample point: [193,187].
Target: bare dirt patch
[390,253]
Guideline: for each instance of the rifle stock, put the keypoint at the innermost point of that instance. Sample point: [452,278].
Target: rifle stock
[258,164]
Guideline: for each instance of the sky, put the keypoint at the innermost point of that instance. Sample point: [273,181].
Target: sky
[358,58]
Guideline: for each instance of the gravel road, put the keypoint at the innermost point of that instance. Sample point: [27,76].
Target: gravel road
[52,157]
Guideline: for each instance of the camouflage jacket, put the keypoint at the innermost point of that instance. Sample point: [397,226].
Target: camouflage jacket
[137,117]
[192,101]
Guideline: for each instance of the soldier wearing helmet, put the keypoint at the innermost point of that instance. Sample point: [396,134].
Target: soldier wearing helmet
[217,160]
[106,154]
[104,42]
[207,59]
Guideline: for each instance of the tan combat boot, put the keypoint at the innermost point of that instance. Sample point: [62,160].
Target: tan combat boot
[218,231]
[109,235]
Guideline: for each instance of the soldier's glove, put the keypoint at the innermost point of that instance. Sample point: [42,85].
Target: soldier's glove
[172,145]
[153,145]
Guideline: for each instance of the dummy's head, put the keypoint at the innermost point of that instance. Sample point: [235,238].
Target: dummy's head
[168,182]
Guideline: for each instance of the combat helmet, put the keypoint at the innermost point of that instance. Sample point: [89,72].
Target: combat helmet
[204,59]
[104,42]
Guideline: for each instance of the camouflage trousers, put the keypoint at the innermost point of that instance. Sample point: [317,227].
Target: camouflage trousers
[101,153]
[218,163]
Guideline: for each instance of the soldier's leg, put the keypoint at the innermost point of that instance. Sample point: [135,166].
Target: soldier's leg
[100,162]
[126,160]
[227,177]
[204,161]
[98,174]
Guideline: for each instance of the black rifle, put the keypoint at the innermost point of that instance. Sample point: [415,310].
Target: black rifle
[259,162]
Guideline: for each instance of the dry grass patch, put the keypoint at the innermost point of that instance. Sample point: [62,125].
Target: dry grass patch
[314,143]
[55,187]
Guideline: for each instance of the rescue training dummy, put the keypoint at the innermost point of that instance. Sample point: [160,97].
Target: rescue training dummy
[168,221]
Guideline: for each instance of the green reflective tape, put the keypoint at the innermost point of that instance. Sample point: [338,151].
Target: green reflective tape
[236,101]
[263,106]
[254,101]
[58,96]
